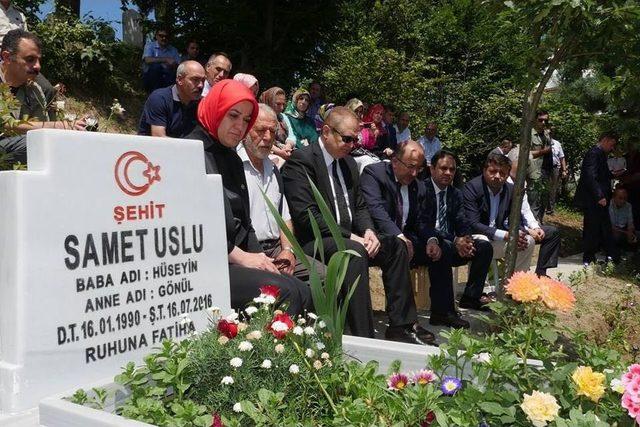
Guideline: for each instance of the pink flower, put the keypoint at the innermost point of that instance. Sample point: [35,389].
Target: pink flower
[632,408]
[424,377]
[634,371]
[217,421]
[228,329]
[270,290]
[280,325]
[631,396]
[397,381]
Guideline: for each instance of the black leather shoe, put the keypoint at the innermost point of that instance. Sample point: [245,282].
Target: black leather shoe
[451,319]
[405,334]
[424,334]
[474,304]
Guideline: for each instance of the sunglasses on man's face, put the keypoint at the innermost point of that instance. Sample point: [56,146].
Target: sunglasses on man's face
[346,138]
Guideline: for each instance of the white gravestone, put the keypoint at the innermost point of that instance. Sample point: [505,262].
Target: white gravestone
[132,27]
[105,242]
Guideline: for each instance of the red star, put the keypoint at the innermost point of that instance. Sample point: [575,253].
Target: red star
[152,173]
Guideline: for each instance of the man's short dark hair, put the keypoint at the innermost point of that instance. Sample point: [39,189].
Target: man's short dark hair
[441,155]
[11,40]
[390,108]
[604,135]
[498,160]
[542,113]
[216,54]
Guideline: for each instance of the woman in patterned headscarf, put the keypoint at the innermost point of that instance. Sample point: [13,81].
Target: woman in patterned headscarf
[301,128]
[276,98]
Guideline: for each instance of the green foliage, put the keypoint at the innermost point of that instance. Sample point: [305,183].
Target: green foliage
[83,57]
[96,399]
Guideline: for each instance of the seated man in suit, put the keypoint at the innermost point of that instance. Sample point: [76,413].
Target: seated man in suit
[329,165]
[398,203]
[487,205]
[446,214]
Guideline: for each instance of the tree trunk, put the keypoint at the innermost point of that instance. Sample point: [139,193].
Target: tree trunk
[528,114]
[165,13]
[72,6]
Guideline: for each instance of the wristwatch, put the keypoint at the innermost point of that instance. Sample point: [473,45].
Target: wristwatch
[288,248]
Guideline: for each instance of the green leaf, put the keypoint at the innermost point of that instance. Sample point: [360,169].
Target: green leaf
[492,408]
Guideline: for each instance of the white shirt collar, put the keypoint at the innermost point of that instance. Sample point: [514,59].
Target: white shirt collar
[174,93]
[267,164]
[436,188]
[325,154]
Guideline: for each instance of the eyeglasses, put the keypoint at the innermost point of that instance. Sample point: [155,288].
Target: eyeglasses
[346,138]
[543,120]
[416,168]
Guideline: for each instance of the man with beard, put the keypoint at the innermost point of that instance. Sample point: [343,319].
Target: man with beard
[171,111]
[263,177]
[20,54]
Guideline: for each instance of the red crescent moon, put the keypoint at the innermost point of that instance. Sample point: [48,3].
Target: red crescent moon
[128,158]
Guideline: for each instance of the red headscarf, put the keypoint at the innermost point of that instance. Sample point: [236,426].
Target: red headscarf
[372,110]
[222,96]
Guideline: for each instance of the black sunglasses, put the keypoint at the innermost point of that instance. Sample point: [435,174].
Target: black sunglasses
[345,138]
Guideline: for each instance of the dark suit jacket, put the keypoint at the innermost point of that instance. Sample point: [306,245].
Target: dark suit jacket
[457,223]
[309,161]
[477,207]
[595,178]
[381,194]
[226,162]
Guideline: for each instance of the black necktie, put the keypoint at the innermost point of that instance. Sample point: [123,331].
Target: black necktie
[343,209]
[442,212]
[399,206]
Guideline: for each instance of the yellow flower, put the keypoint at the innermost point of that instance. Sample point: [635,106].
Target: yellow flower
[590,384]
[524,287]
[556,295]
[540,408]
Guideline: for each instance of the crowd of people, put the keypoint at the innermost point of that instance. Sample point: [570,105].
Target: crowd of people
[399,201]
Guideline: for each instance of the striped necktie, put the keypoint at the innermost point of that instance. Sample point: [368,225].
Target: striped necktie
[442,212]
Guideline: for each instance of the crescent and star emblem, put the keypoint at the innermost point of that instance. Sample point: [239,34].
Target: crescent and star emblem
[134,173]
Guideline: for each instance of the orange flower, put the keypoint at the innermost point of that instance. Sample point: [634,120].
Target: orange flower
[523,287]
[556,295]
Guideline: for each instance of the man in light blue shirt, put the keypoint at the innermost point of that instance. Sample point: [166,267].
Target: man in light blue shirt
[430,142]
[159,62]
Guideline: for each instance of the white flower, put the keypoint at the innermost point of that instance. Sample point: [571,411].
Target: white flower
[312,316]
[309,353]
[279,348]
[237,407]
[60,105]
[483,357]
[321,324]
[251,310]
[266,364]
[279,326]
[309,330]
[213,311]
[617,386]
[294,369]
[232,317]
[317,365]
[236,362]
[301,321]
[116,108]
[259,300]
[222,340]
[226,381]
[70,117]
[242,326]
[264,299]
[245,346]
[185,320]
[320,346]
[254,335]
[298,330]
[324,355]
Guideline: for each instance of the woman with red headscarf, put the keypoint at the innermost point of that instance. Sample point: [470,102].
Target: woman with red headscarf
[225,116]
[375,136]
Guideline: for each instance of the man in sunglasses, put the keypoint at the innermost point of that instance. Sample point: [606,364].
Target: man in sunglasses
[159,62]
[540,165]
[335,173]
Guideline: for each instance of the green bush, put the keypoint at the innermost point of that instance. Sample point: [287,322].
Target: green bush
[86,58]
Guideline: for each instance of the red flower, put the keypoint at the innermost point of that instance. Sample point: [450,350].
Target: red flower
[217,421]
[270,290]
[429,419]
[280,325]
[228,329]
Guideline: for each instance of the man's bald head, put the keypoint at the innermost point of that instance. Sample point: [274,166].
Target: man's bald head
[408,161]
[340,132]
[189,81]
[339,115]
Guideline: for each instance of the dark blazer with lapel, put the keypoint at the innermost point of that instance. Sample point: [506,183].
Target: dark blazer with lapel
[226,162]
[309,161]
[457,222]
[381,194]
[477,207]
[595,178]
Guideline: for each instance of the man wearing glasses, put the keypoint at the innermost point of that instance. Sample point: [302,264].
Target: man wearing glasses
[335,173]
[400,206]
[159,62]
[540,165]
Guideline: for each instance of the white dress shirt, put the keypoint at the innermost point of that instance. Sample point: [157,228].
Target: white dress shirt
[328,161]
[528,217]
[264,223]
[437,191]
